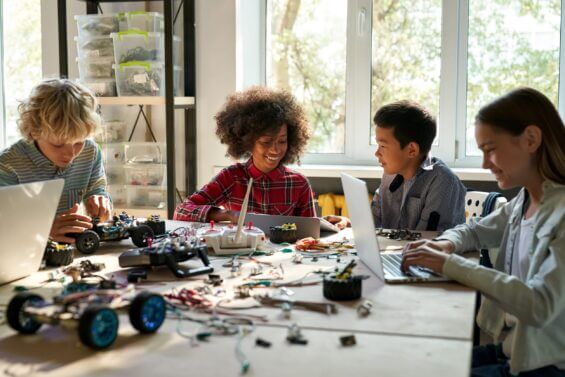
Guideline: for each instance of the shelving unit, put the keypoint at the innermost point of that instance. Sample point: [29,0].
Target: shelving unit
[185,103]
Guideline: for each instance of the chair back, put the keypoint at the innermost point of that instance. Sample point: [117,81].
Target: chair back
[475,203]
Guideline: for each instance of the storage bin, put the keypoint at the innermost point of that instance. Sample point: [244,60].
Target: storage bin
[145,153]
[135,45]
[96,24]
[145,21]
[94,47]
[95,68]
[119,195]
[113,153]
[115,174]
[111,132]
[101,87]
[147,197]
[143,78]
[145,175]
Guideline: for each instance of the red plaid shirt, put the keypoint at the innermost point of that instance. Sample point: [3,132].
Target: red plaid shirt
[279,192]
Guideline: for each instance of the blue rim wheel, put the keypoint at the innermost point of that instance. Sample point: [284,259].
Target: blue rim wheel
[98,327]
[16,315]
[147,312]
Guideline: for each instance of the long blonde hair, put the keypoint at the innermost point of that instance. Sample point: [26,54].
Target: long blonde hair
[58,108]
[522,107]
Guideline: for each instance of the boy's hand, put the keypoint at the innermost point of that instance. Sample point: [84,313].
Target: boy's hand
[98,206]
[69,222]
[340,221]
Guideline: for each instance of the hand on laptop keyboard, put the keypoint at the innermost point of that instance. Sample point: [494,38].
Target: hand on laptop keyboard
[423,256]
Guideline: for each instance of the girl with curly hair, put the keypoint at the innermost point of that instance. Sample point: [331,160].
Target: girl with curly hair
[268,128]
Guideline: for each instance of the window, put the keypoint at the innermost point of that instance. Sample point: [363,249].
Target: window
[345,59]
[21,65]
[306,55]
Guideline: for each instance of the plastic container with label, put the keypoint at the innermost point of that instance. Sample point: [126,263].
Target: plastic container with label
[145,21]
[95,68]
[94,47]
[96,24]
[101,87]
[143,78]
[135,45]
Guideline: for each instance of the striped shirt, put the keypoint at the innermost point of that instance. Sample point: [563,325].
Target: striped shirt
[279,192]
[84,176]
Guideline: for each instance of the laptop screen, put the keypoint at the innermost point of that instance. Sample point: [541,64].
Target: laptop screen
[362,222]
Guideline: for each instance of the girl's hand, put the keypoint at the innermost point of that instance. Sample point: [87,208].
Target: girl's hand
[444,246]
[424,256]
[69,222]
[98,206]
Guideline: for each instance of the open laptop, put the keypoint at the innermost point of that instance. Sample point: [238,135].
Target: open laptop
[386,266]
[26,216]
[305,226]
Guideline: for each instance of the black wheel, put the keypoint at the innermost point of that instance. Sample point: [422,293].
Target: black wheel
[57,258]
[16,314]
[140,234]
[98,327]
[342,289]
[147,312]
[88,242]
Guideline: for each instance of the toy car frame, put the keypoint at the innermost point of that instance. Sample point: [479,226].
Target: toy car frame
[92,311]
[119,228]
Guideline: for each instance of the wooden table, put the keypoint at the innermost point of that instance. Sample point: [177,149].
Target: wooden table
[414,329]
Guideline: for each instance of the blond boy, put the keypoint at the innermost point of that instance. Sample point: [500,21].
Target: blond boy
[55,122]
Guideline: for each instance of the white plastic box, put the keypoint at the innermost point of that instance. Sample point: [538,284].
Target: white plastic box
[113,153]
[95,47]
[145,153]
[101,87]
[146,196]
[96,24]
[95,68]
[112,131]
[134,45]
[145,175]
[115,174]
[145,21]
[143,78]
[119,195]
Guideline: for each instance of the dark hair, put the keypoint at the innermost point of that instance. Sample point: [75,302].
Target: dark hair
[259,111]
[410,123]
[523,107]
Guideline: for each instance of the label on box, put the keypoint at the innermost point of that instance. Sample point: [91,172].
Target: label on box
[92,53]
[140,78]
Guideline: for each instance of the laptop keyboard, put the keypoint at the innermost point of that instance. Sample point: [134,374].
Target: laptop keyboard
[391,264]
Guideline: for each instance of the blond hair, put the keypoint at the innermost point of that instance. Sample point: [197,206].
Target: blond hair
[59,109]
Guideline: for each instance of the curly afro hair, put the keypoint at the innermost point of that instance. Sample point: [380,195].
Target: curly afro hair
[259,111]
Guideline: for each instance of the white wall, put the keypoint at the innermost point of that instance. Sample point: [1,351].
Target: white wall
[215,77]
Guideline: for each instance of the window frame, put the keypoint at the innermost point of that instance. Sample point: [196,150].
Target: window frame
[451,141]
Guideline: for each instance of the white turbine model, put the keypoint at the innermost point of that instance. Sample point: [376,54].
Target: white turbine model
[226,241]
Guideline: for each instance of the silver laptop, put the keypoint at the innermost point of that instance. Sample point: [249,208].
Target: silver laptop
[386,266]
[26,216]
[305,226]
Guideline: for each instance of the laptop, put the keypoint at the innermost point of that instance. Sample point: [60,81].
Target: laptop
[26,216]
[386,266]
[305,226]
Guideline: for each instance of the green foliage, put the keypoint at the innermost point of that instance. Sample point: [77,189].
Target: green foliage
[511,43]
[21,25]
